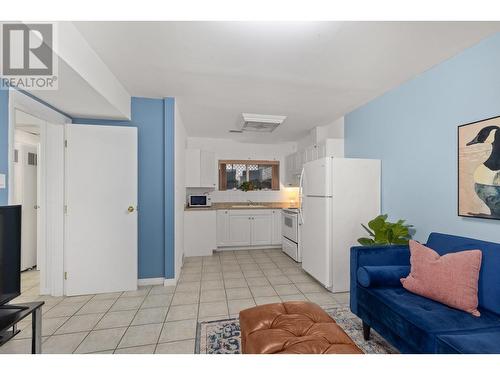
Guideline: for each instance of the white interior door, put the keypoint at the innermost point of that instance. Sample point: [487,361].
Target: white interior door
[40,221]
[101,220]
[29,203]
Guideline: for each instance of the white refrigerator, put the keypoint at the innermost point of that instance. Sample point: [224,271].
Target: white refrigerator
[336,195]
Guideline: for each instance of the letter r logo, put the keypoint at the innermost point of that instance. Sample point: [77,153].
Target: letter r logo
[27,49]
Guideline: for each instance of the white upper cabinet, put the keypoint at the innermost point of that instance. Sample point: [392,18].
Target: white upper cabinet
[208,170]
[321,149]
[331,147]
[201,170]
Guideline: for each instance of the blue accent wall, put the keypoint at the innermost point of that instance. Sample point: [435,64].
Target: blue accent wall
[413,130]
[4,142]
[154,120]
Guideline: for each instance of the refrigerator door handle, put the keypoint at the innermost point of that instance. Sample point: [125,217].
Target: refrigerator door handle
[301,180]
[301,217]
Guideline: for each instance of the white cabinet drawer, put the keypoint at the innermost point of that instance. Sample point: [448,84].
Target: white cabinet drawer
[290,248]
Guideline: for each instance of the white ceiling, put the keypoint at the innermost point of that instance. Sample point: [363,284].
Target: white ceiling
[76,97]
[312,72]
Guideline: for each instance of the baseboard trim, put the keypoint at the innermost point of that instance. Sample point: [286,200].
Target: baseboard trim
[232,248]
[150,281]
[170,282]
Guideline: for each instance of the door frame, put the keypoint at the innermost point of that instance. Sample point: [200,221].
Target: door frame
[52,247]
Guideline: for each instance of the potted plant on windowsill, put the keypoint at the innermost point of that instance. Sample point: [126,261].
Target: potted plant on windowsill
[247,186]
[383,232]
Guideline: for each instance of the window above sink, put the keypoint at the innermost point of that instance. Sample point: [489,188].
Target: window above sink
[249,175]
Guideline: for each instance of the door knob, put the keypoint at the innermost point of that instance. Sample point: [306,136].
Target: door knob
[131,209]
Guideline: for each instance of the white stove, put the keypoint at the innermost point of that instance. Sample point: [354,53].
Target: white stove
[290,233]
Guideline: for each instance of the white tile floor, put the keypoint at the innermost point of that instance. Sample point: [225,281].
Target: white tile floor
[162,319]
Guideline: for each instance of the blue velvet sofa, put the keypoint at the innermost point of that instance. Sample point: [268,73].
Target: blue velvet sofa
[414,324]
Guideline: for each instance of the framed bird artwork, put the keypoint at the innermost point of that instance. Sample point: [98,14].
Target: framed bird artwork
[479,169]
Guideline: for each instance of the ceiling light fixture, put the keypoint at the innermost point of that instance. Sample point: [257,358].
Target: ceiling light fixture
[259,123]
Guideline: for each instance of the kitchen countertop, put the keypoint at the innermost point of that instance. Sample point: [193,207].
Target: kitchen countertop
[231,206]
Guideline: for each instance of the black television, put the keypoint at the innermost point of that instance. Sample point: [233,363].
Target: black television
[10,253]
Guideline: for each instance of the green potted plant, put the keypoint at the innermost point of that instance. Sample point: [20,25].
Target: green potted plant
[383,232]
[246,186]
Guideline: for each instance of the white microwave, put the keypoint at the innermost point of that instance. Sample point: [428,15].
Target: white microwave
[199,201]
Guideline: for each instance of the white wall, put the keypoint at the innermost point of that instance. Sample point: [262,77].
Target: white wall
[26,138]
[180,190]
[231,149]
[21,138]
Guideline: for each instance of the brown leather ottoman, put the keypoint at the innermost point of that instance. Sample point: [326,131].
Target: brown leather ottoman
[294,328]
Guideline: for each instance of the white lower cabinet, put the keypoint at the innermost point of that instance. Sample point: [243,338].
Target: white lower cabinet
[240,230]
[199,232]
[222,227]
[262,229]
[276,240]
[248,227]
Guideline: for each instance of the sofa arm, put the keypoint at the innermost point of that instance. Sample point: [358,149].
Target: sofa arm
[398,255]
[373,276]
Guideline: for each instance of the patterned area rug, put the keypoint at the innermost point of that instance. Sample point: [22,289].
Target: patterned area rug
[223,336]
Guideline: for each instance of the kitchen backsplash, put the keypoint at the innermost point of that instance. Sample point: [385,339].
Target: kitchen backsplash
[283,195]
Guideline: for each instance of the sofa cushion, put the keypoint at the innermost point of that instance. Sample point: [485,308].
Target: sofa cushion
[476,342]
[489,277]
[450,279]
[372,276]
[419,319]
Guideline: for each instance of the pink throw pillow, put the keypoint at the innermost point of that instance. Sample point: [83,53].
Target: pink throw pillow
[450,279]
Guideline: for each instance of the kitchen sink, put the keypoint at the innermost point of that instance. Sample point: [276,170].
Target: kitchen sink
[248,206]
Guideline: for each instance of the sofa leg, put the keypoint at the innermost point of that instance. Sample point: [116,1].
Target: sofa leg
[366,331]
